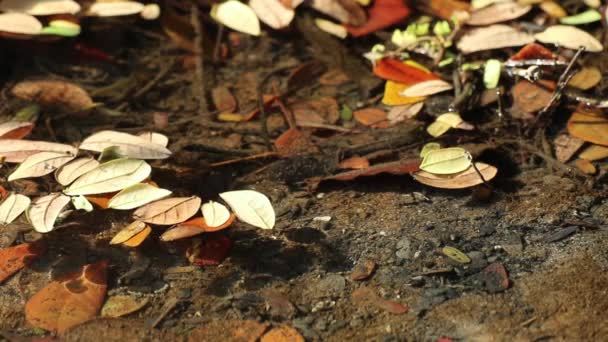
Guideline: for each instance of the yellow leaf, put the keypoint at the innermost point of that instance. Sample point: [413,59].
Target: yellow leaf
[446,161]
[392,95]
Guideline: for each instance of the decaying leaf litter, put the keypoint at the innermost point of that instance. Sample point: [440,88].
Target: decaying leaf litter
[142,145]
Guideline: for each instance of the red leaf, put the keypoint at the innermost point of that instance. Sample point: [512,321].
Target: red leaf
[293,142]
[400,167]
[13,259]
[210,252]
[16,130]
[394,70]
[532,51]
[382,14]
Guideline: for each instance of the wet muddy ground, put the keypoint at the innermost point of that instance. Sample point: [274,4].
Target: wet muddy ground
[547,230]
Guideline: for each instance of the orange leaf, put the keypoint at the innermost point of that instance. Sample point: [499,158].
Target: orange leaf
[200,223]
[229,330]
[70,300]
[585,166]
[400,167]
[293,142]
[532,51]
[354,163]
[138,238]
[589,127]
[268,100]
[407,74]
[282,333]
[3,193]
[223,100]
[101,200]
[13,259]
[393,97]
[373,117]
[446,8]
[382,14]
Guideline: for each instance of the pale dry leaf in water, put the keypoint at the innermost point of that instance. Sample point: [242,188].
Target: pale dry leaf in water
[493,37]
[68,173]
[20,23]
[43,211]
[332,8]
[403,112]
[168,211]
[15,129]
[251,207]
[121,305]
[332,28]
[272,13]
[215,214]
[445,161]
[17,150]
[13,206]
[155,138]
[112,176]
[128,232]
[569,37]
[464,179]
[566,146]
[54,93]
[129,145]
[40,7]
[237,16]
[115,8]
[427,88]
[137,195]
[497,13]
[40,164]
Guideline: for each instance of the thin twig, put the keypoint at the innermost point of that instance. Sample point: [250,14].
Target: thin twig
[199,80]
[252,157]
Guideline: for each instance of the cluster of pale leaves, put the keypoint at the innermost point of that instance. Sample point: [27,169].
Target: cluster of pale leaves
[122,169]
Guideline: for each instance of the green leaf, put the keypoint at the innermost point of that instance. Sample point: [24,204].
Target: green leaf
[589,16]
[346,113]
[491,73]
[62,28]
[428,148]
[446,161]
[112,176]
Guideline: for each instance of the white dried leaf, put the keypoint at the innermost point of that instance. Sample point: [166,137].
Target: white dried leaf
[332,8]
[20,23]
[402,112]
[331,28]
[13,206]
[137,195]
[272,13]
[237,16]
[251,207]
[426,88]
[155,138]
[68,173]
[115,8]
[44,211]
[492,37]
[40,164]
[569,37]
[128,145]
[497,13]
[112,176]
[17,150]
[215,214]
[40,7]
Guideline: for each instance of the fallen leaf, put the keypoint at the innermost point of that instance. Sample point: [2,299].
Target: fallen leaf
[363,270]
[530,97]
[209,252]
[272,13]
[101,200]
[445,9]
[282,333]
[137,195]
[400,167]
[223,100]
[331,28]
[334,77]
[465,179]
[111,176]
[138,238]
[13,206]
[115,8]
[215,214]
[532,51]
[20,23]
[553,9]
[367,296]
[237,16]
[128,145]
[586,166]
[373,117]
[181,231]
[354,163]
[497,13]
[293,142]
[446,161]
[3,194]
[15,129]
[569,37]
[128,232]
[69,301]
[43,211]
[382,14]
[456,255]
[251,207]
[492,37]
[402,112]
[337,10]
[122,305]
[566,146]
[594,152]
[229,330]
[585,17]
[589,128]
[14,258]
[168,211]
[54,93]
[427,88]
[40,164]
[155,138]
[586,78]
[428,147]
[68,173]
[41,8]
[17,150]
[402,72]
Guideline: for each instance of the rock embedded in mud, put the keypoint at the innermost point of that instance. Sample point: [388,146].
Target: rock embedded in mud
[404,249]
[331,286]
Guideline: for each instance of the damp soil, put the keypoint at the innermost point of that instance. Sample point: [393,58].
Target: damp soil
[299,273]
